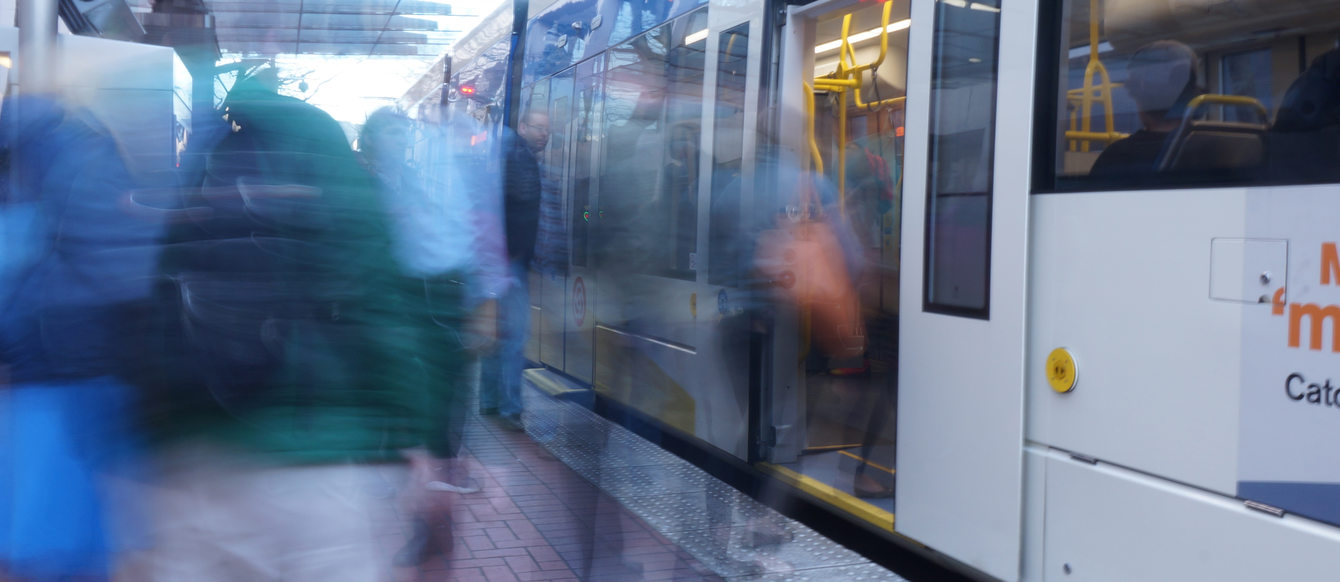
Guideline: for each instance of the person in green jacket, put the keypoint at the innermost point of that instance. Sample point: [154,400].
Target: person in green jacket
[292,372]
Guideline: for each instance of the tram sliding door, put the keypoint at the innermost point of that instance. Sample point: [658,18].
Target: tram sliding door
[961,401]
[657,192]
[582,199]
[549,279]
[646,252]
[736,62]
[828,418]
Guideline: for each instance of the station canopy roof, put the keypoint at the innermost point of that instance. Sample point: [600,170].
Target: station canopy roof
[346,56]
[368,28]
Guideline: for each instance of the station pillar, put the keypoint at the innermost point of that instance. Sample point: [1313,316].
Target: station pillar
[36,21]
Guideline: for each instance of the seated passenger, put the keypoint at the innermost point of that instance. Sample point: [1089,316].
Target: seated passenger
[1162,80]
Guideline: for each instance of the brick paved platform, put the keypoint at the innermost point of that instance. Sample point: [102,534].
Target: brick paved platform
[575,497]
[536,519]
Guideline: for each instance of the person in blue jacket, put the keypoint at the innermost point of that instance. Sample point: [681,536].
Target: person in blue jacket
[75,258]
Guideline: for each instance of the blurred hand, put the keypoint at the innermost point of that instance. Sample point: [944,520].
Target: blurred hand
[483,327]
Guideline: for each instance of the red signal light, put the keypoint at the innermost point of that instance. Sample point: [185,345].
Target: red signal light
[467,90]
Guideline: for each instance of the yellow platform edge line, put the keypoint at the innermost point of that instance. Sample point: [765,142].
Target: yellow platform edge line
[826,448]
[832,496]
[869,463]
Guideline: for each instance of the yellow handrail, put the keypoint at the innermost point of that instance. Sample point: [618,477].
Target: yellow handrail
[730,46]
[873,65]
[849,73]
[1215,99]
[821,81]
[1080,137]
[1103,136]
[842,153]
[809,130]
[847,78]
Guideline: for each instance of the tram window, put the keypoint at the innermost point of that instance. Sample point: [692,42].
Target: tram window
[536,96]
[1168,94]
[649,179]
[963,110]
[724,238]
[1246,73]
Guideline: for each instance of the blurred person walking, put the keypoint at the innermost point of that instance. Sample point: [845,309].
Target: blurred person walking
[444,258]
[292,370]
[500,378]
[73,261]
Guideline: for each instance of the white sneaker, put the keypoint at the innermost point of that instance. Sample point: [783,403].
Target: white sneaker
[471,486]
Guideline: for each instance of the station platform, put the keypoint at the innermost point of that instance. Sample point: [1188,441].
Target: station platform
[577,497]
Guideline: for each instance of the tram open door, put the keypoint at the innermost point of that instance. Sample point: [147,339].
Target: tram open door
[829,425]
[900,106]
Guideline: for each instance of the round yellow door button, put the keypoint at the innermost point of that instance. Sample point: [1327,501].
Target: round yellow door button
[1061,370]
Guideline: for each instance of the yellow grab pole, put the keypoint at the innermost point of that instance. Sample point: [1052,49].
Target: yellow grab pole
[809,130]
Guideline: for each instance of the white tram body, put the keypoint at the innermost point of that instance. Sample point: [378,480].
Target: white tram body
[1195,295]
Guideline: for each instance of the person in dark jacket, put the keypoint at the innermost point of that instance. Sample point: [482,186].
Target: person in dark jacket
[500,378]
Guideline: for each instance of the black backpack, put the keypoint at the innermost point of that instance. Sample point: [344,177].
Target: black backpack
[253,288]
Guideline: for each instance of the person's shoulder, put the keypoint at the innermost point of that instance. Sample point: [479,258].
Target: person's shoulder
[273,108]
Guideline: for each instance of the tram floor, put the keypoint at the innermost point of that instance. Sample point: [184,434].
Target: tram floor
[837,469]
[844,414]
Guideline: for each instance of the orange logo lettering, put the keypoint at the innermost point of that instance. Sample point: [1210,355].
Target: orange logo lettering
[1316,314]
[1330,264]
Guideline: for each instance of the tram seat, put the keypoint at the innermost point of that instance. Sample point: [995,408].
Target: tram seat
[1216,145]
[1207,145]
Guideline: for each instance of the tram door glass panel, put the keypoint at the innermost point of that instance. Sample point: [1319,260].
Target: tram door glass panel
[1167,95]
[535,98]
[586,123]
[963,110]
[649,187]
[727,150]
[553,244]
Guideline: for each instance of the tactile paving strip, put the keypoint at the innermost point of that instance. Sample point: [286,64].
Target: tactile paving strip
[715,507]
[806,550]
[861,573]
[729,532]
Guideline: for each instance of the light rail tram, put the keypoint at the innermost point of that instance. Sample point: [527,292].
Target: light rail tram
[1094,243]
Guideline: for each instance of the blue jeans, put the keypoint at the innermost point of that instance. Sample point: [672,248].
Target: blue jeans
[500,373]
